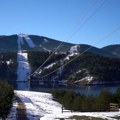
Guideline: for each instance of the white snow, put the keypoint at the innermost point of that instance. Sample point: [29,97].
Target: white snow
[23,66]
[61,68]
[45,40]
[20,42]
[44,48]
[87,79]
[49,66]
[70,55]
[29,41]
[74,49]
[42,106]
[9,62]
[79,71]
[38,104]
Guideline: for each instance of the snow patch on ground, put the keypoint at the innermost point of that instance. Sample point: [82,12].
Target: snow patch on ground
[45,40]
[44,48]
[29,41]
[86,79]
[74,49]
[38,104]
[20,42]
[49,66]
[70,55]
[42,106]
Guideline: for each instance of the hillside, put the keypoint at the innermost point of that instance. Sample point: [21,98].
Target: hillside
[8,66]
[95,50]
[97,66]
[86,69]
[48,44]
[10,44]
[114,49]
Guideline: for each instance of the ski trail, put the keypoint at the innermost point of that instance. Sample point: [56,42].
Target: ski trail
[38,105]
[31,108]
[42,106]
[23,66]
[20,42]
[29,41]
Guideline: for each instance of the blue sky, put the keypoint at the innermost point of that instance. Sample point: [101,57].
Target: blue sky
[56,19]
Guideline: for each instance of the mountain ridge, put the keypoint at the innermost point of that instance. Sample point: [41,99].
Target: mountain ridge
[114,49]
[9,43]
[96,66]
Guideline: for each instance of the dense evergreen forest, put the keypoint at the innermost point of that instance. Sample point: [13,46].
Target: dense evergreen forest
[8,65]
[106,69]
[78,102]
[100,68]
[6,96]
[37,58]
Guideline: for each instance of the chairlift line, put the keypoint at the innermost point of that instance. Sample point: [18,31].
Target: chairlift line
[79,26]
[48,58]
[92,11]
[107,36]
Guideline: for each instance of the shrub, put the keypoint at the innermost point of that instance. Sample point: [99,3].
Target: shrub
[6,96]
[78,102]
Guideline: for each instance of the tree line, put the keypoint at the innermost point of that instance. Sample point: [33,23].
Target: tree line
[104,69]
[36,59]
[100,67]
[8,66]
[6,97]
[78,102]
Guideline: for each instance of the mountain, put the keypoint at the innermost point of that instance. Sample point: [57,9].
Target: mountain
[8,43]
[89,68]
[95,66]
[48,44]
[92,49]
[113,49]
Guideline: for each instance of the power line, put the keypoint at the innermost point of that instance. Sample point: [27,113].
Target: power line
[108,35]
[79,26]
[76,28]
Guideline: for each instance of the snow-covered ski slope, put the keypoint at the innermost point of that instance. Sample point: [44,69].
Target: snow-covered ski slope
[29,41]
[23,66]
[42,106]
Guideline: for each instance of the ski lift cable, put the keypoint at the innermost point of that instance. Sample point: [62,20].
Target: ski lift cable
[62,42]
[96,43]
[75,29]
[72,33]
[86,20]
